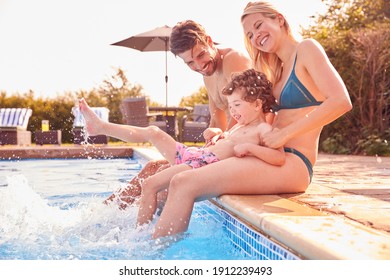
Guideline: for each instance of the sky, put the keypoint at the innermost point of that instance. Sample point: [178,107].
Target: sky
[55,46]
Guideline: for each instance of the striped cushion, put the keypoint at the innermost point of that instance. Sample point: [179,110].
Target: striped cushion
[101,112]
[15,117]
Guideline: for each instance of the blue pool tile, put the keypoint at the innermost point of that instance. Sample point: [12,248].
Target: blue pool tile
[249,241]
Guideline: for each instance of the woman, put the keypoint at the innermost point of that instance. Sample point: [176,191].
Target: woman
[310,94]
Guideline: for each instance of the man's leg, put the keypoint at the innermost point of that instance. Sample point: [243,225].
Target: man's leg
[127,196]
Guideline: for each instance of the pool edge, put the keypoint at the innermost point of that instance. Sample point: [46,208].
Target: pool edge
[68,152]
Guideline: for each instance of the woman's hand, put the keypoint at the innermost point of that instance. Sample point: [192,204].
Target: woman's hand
[274,138]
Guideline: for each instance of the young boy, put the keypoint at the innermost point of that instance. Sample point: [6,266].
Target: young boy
[249,97]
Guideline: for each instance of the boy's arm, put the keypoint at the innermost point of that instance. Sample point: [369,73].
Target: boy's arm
[269,155]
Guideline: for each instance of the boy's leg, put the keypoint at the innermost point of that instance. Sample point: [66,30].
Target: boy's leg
[126,196]
[151,187]
[159,138]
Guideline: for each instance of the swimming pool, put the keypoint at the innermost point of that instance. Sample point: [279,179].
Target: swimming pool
[52,209]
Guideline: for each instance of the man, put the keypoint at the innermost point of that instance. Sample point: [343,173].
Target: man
[190,42]
[194,46]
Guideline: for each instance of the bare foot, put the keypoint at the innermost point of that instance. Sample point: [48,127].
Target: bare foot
[93,124]
[128,195]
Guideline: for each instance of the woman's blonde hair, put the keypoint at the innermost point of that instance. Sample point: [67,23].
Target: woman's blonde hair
[268,63]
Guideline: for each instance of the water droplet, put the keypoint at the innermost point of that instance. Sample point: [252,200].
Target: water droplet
[378,159]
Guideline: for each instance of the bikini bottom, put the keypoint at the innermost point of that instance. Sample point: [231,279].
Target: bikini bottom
[304,158]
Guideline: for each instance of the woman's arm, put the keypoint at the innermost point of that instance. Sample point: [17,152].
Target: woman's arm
[317,66]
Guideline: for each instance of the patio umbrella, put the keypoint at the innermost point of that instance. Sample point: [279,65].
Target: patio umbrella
[151,41]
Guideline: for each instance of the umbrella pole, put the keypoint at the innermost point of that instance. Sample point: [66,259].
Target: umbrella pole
[166,73]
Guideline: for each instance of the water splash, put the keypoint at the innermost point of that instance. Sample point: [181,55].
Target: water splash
[79,226]
[32,227]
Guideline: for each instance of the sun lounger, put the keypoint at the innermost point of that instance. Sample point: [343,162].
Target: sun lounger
[194,124]
[13,126]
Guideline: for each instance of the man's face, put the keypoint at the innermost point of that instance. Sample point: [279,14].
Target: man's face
[201,58]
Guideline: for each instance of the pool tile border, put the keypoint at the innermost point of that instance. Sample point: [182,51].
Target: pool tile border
[244,238]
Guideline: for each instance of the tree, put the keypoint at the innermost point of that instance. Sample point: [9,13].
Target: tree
[355,35]
[59,110]
[199,97]
[371,62]
[344,15]
[111,93]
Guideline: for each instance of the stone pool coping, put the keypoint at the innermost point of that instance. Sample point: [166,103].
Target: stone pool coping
[344,214]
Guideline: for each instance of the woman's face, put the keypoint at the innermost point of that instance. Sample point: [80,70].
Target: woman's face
[262,31]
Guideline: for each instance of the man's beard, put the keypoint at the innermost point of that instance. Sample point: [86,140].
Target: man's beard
[213,62]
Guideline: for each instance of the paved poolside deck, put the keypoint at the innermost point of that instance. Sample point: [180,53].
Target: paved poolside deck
[344,214]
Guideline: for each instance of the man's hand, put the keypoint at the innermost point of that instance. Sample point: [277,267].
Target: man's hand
[211,135]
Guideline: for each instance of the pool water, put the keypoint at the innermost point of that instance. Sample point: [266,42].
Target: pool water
[52,209]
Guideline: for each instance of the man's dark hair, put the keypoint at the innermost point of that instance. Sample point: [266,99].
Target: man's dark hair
[185,35]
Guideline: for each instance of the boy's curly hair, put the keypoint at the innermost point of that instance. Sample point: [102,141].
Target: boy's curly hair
[256,86]
[185,35]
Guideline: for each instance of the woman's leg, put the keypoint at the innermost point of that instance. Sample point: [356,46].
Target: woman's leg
[153,185]
[246,175]
[160,139]
[126,196]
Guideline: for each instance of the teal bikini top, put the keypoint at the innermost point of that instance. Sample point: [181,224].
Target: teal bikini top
[295,95]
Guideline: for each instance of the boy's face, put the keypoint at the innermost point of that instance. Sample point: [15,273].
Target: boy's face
[242,111]
[201,58]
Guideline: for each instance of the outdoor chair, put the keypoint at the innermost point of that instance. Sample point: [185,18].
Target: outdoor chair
[79,124]
[195,123]
[135,112]
[13,126]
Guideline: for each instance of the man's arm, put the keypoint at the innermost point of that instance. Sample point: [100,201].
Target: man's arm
[235,62]
[218,117]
